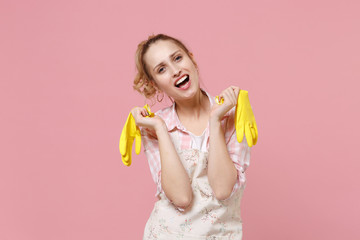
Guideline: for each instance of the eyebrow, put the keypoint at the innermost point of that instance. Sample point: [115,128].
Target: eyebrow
[172,55]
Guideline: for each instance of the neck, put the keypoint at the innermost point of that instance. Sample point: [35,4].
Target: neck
[193,107]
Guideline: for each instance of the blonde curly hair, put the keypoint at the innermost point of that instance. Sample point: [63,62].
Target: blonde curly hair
[144,82]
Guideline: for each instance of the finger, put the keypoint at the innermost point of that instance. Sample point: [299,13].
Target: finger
[248,135]
[240,130]
[124,135]
[144,113]
[139,115]
[256,133]
[229,97]
[253,133]
[223,97]
[234,87]
[239,109]
[233,96]
[138,141]
[236,91]
[148,111]
[127,156]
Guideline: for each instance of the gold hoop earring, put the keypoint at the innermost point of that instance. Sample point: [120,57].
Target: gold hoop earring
[157,96]
[171,99]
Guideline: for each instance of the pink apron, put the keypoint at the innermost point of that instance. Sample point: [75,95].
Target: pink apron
[206,217]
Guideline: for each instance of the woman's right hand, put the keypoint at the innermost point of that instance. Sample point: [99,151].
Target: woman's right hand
[141,120]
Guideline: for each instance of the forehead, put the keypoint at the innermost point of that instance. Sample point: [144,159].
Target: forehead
[160,51]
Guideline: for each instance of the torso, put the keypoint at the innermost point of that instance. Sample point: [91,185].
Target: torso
[207,217]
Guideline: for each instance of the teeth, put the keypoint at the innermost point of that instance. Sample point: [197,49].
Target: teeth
[181,80]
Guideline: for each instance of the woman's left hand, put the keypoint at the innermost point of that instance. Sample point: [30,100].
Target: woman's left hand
[230,96]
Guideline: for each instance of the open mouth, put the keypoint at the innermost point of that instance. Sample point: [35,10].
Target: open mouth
[182,81]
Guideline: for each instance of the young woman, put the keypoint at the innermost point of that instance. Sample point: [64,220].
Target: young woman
[194,157]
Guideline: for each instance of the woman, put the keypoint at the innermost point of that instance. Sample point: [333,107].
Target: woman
[194,157]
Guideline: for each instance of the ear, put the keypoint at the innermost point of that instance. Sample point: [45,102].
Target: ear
[153,83]
[192,58]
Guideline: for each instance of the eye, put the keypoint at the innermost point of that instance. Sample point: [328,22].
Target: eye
[178,57]
[160,70]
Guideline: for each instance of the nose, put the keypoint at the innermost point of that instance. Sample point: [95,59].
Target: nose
[176,71]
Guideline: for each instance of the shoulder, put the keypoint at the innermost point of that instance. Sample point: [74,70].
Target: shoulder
[164,113]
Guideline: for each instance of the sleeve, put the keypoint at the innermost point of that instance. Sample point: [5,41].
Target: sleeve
[152,152]
[239,152]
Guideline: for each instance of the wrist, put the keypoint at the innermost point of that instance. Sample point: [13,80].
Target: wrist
[160,127]
[214,121]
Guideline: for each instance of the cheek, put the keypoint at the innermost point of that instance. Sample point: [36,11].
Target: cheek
[161,82]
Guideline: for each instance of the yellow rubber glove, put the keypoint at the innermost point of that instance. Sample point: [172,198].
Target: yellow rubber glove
[244,119]
[129,133]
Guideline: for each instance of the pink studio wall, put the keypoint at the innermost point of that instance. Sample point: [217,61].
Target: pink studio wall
[66,69]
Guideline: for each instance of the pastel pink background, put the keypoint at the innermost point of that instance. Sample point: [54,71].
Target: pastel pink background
[66,71]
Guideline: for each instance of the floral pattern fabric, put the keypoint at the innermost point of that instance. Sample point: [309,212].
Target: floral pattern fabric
[206,218]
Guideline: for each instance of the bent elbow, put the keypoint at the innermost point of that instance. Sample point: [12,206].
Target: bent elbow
[222,195]
[183,202]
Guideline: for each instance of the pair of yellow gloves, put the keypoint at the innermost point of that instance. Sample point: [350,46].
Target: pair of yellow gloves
[244,123]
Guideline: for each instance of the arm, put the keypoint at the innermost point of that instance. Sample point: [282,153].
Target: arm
[174,178]
[164,161]
[239,153]
[222,173]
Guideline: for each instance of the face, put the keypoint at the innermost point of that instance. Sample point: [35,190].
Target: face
[172,70]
